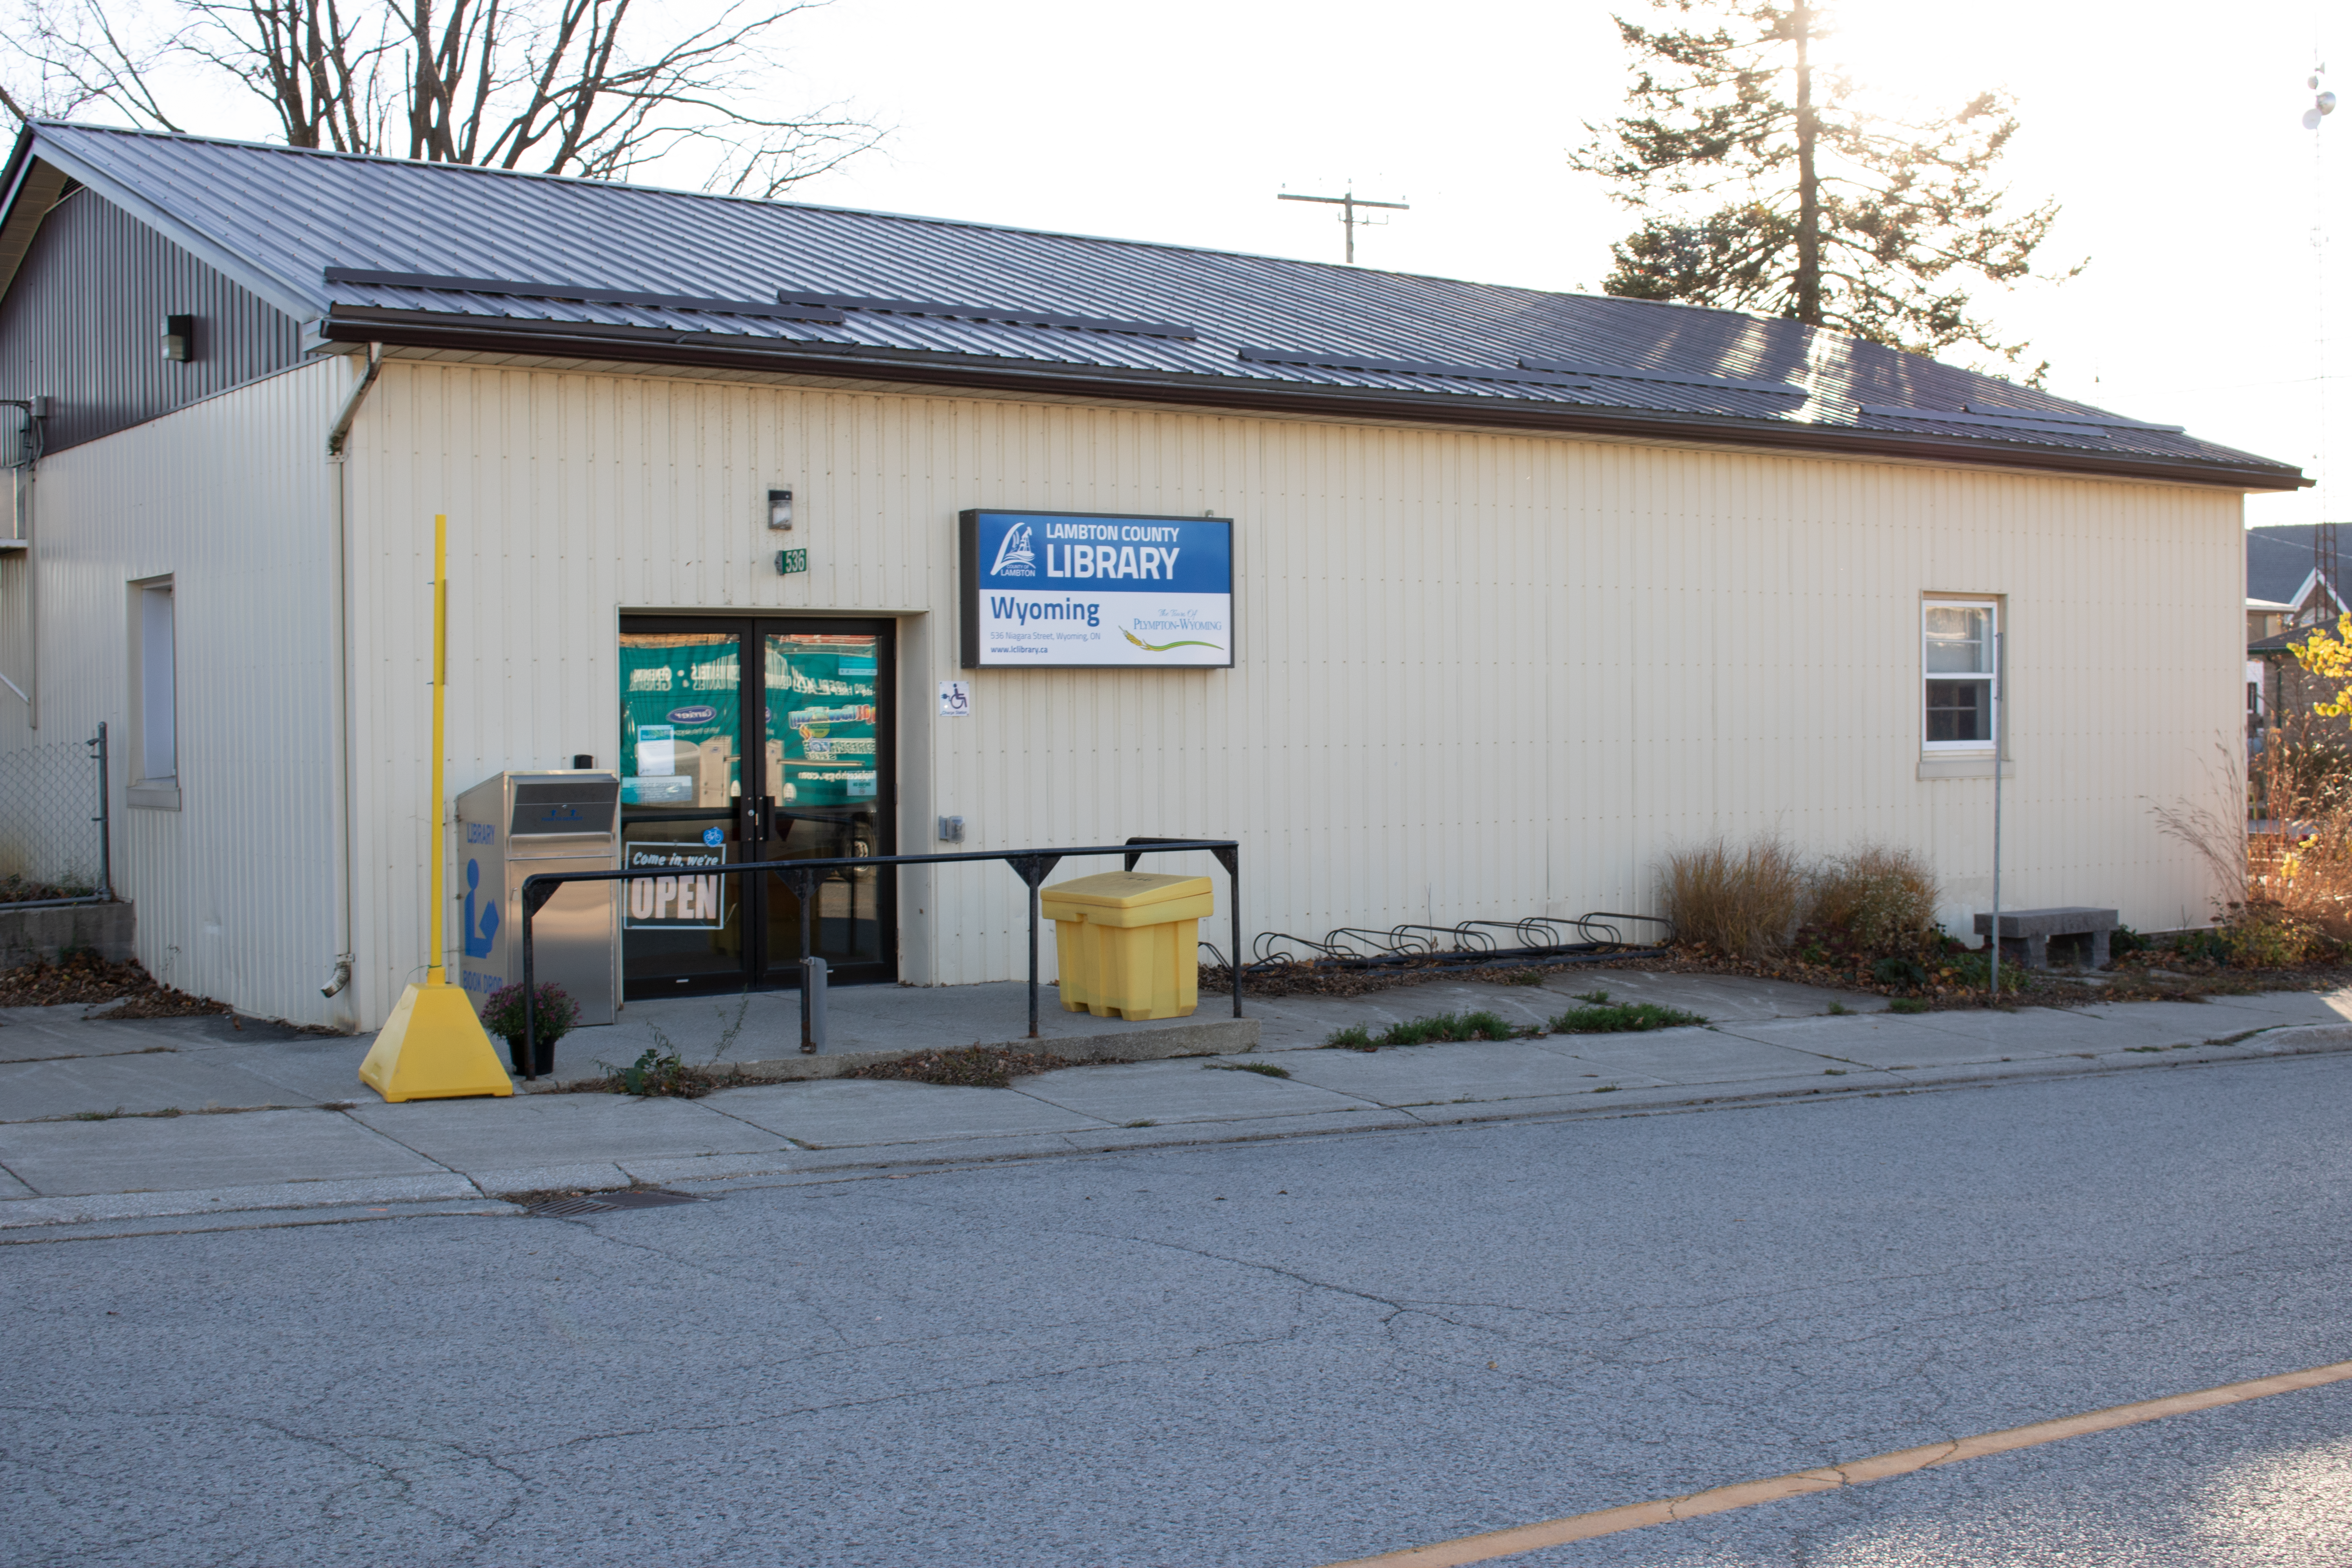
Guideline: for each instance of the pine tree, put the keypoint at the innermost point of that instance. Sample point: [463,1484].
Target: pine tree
[1823,212]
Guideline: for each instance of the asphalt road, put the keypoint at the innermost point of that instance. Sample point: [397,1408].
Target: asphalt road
[1277,1354]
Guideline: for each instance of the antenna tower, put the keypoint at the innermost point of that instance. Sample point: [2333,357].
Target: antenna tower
[2325,558]
[1347,204]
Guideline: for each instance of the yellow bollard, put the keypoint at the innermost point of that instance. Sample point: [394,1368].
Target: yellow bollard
[434,1046]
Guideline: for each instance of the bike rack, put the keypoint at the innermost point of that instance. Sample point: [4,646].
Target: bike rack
[802,878]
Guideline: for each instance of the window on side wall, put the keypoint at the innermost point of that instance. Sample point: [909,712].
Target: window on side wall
[154,695]
[1960,676]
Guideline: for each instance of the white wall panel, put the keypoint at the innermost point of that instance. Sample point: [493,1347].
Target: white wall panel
[1479,675]
[237,890]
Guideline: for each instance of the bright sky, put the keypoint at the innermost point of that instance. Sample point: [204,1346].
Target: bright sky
[2171,134]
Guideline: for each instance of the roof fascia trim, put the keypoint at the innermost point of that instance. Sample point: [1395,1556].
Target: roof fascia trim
[272,291]
[650,346]
[21,169]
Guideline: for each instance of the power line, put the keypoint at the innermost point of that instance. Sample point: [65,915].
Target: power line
[1348,204]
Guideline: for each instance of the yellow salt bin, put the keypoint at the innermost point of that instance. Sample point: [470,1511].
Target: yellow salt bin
[1129,943]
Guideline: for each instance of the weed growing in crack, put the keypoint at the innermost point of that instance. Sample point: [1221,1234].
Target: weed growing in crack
[1631,1017]
[1264,1069]
[1479,1026]
[656,1072]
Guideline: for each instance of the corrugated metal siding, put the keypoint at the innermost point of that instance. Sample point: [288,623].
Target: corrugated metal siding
[82,321]
[1479,675]
[234,891]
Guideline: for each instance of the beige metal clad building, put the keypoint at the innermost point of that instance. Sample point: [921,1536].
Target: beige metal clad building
[1524,589]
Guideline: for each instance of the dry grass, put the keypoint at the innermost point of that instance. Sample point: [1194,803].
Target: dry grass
[2281,898]
[1745,902]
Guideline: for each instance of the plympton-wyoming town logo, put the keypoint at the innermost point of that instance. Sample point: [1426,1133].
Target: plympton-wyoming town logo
[1014,557]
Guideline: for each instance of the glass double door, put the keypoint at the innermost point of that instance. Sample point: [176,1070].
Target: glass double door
[753,740]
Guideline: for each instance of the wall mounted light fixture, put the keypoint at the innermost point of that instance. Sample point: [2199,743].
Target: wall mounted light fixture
[780,508]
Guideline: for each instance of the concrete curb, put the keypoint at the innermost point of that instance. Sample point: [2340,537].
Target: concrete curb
[1205,1037]
[25,1213]
[22,1212]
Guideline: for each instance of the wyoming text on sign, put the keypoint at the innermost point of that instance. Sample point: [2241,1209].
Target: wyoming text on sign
[1044,589]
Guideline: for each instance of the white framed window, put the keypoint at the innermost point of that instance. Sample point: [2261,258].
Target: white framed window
[154,695]
[1960,667]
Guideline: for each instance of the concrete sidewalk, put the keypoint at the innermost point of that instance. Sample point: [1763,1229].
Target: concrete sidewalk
[305,1135]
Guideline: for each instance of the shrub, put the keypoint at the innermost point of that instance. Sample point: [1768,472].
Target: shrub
[2263,936]
[1745,902]
[1875,902]
[557,1013]
[1892,970]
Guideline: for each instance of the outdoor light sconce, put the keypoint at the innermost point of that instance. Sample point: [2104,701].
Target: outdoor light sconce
[780,508]
[180,338]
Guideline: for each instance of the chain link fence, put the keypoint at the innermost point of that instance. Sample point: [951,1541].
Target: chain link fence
[54,842]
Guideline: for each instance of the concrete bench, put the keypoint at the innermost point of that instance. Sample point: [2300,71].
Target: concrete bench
[2034,928]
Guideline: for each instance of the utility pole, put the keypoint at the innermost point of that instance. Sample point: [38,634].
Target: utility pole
[1347,204]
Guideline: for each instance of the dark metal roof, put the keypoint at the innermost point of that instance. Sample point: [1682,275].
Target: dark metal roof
[2278,562]
[2287,641]
[437,255]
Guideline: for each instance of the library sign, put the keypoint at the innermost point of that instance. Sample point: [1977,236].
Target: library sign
[1065,590]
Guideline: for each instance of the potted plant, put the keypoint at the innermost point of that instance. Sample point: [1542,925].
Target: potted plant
[554,1015]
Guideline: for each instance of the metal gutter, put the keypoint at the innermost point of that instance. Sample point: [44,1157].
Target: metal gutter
[426,329]
[340,431]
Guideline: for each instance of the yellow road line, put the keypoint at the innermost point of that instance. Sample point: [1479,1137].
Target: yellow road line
[1805,1483]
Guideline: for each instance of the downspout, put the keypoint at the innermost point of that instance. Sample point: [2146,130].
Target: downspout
[339,614]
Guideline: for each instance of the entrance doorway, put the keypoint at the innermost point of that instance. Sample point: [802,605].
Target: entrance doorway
[763,739]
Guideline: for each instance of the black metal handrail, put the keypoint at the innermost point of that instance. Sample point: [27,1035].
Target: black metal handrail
[801,877]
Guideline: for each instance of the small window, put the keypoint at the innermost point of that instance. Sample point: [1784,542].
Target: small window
[1961,664]
[154,695]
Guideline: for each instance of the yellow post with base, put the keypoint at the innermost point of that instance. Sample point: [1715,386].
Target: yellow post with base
[433,1046]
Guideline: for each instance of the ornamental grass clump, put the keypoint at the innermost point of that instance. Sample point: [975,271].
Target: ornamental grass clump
[1745,902]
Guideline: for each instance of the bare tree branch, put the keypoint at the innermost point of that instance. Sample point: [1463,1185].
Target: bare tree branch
[592,88]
